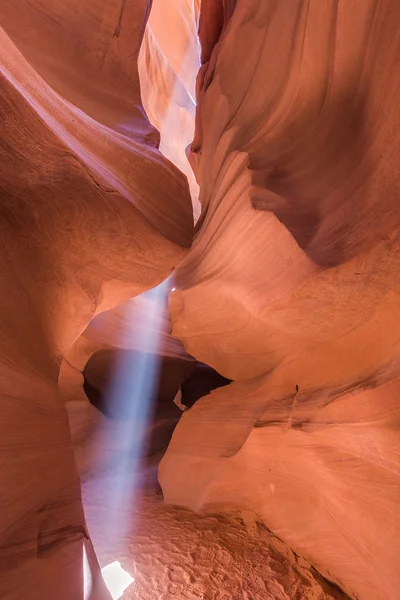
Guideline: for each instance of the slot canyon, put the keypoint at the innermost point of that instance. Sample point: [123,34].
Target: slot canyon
[200,300]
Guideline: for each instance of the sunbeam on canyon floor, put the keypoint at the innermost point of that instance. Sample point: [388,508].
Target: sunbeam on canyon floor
[116,579]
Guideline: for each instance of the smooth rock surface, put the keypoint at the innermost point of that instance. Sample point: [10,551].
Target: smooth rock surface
[291,286]
[290,290]
[91,214]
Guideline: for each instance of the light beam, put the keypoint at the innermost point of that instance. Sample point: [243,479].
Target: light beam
[116,579]
[131,394]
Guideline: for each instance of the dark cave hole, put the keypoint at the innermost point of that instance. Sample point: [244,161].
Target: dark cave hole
[105,385]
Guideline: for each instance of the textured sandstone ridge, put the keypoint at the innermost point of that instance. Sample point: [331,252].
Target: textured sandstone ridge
[291,286]
[91,214]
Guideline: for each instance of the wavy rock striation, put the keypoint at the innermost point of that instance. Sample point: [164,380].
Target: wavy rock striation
[91,214]
[291,286]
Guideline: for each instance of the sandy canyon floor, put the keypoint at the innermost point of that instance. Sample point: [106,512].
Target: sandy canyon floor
[174,554]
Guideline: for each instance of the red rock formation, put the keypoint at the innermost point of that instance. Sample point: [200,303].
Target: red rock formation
[167,68]
[291,287]
[91,214]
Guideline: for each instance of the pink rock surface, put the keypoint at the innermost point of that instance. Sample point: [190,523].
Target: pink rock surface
[291,286]
[290,289]
[91,214]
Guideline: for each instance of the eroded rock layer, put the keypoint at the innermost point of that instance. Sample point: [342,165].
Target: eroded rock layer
[91,214]
[291,287]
